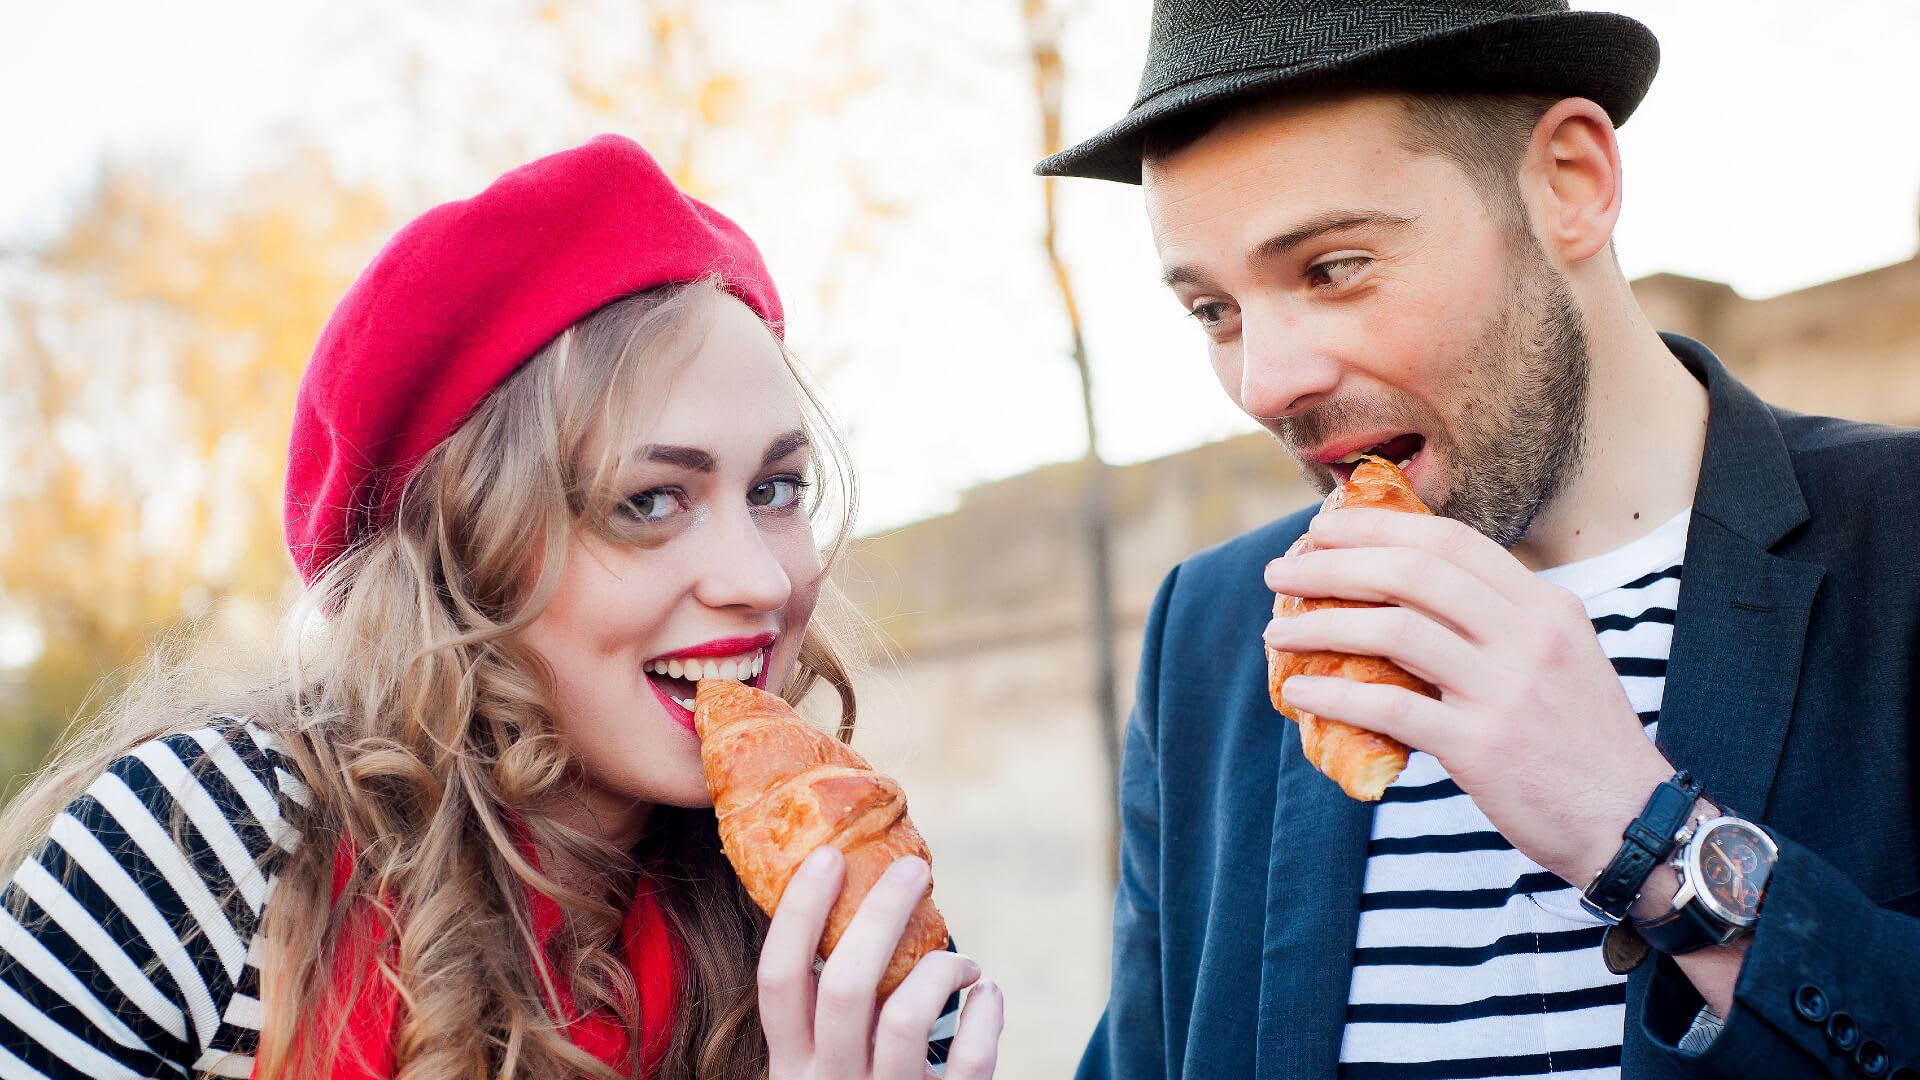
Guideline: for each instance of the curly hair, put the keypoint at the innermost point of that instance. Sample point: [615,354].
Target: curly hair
[426,732]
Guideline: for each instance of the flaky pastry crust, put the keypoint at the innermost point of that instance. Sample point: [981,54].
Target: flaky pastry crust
[782,787]
[1362,762]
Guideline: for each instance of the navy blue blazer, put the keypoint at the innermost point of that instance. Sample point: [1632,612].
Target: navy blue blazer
[1790,692]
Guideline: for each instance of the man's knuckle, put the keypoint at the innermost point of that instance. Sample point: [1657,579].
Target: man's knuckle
[1455,539]
[1568,604]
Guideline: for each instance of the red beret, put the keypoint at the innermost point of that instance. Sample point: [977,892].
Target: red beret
[461,297]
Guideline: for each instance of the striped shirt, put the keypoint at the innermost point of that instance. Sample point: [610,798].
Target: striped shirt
[1471,960]
[129,949]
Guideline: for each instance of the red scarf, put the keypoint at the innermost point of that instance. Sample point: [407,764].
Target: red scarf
[366,1042]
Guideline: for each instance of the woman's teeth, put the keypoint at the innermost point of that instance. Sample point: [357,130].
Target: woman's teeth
[738,668]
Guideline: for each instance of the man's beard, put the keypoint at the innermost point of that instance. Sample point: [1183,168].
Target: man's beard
[1514,431]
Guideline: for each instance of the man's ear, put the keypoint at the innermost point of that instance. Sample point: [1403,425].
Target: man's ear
[1571,178]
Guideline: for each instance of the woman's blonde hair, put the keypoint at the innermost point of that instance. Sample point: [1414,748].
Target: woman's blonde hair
[426,733]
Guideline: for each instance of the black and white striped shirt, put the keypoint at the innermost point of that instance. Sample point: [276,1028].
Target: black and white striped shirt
[126,952]
[1471,960]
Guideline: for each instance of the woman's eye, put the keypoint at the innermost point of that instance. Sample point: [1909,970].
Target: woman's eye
[656,505]
[777,494]
[1336,272]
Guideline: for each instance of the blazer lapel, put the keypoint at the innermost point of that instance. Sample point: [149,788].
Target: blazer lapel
[1741,625]
[1318,859]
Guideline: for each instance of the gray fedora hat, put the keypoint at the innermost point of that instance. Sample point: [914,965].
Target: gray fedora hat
[1203,52]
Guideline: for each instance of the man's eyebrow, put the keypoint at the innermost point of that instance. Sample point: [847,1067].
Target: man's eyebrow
[1279,246]
[784,445]
[1182,275]
[684,456]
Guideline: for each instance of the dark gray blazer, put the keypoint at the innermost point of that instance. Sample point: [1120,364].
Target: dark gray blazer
[1790,692]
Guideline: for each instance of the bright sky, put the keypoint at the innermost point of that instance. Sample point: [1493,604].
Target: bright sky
[1777,149]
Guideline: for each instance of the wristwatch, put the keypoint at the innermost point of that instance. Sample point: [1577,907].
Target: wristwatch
[1643,845]
[1724,863]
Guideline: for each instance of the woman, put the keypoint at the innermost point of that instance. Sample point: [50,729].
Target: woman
[549,444]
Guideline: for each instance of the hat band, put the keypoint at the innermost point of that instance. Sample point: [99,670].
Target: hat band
[1266,40]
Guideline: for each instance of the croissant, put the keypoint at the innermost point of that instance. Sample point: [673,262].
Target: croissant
[782,788]
[1362,762]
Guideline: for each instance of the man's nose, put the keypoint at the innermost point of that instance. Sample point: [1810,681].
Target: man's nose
[1284,367]
[741,568]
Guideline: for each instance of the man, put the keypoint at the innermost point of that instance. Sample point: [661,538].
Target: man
[1393,223]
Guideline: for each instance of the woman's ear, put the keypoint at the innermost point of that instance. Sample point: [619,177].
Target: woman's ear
[1572,181]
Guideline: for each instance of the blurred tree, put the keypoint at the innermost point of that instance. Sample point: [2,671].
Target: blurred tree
[151,349]
[1044,21]
[151,354]
[716,106]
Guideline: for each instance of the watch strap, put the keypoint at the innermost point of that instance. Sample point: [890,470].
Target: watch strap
[1646,841]
[1683,930]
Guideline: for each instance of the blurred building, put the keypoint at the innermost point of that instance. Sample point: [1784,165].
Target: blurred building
[981,702]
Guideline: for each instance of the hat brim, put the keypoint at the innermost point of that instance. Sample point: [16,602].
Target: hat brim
[1608,58]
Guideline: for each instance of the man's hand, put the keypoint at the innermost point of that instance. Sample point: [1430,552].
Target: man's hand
[1531,720]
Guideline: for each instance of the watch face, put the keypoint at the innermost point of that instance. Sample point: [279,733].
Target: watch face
[1735,861]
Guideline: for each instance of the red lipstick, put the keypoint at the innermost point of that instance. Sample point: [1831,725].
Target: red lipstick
[732,646]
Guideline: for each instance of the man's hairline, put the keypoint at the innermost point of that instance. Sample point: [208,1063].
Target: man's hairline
[1254,104]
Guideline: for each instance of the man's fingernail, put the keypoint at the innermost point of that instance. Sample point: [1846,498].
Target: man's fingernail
[1300,686]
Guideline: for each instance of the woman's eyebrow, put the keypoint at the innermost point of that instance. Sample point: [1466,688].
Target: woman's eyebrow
[784,445]
[684,456]
[689,457]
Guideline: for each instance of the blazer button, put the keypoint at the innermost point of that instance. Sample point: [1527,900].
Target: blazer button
[1842,1032]
[1871,1060]
[1811,1003]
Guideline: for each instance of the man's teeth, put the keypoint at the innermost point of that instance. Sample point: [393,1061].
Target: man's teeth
[1354,458]
[739,668]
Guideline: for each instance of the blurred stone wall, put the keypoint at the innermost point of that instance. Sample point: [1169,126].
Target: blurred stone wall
[980,699]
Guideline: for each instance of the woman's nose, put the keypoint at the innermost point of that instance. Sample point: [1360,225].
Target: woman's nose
[740,568]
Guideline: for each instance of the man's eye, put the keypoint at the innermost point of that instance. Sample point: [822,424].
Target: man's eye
[777,494]
[1209,313]
[1336,272]
[656,505]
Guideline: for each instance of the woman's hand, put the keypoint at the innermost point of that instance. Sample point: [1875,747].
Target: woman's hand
[827,1028]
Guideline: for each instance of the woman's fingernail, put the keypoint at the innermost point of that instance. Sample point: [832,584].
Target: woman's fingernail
[970,968]
[906,868]
[820,862]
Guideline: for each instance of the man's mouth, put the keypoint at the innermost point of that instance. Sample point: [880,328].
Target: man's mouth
[1401,450]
